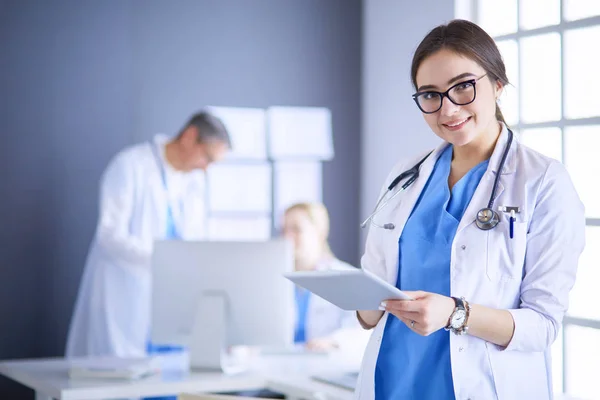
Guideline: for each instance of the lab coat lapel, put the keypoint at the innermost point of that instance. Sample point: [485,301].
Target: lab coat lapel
[404,206]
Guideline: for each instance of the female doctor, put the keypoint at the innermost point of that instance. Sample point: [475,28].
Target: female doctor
[319,325]
[484,236]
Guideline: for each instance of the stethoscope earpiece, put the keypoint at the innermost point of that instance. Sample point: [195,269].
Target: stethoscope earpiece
[487,219]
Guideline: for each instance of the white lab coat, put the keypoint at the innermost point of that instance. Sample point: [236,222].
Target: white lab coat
[112,312]
[326,320]
[530,275]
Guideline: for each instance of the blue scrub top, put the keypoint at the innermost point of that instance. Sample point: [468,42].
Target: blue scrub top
[411,366]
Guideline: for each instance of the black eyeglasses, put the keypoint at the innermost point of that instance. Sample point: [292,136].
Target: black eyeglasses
[461,94]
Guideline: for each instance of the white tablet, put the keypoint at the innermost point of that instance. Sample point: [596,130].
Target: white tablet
[356,289]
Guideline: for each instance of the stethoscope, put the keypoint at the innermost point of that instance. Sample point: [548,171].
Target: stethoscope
[487,218]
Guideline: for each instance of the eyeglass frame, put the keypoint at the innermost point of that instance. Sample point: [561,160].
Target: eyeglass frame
[446,94]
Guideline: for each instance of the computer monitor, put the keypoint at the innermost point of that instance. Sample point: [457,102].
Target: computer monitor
[209,296]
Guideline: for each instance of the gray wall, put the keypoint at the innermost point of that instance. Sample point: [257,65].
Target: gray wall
[81,79]
[393,127]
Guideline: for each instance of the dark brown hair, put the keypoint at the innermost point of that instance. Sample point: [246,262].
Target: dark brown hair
[468,40]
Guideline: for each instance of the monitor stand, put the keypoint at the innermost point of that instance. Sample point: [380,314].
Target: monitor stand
[208,343]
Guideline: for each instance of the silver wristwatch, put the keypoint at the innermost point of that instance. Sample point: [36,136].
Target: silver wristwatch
[459,318]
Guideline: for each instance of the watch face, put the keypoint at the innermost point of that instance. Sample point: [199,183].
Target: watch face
[458,318]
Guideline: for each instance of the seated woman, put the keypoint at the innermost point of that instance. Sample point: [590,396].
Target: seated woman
[320,325]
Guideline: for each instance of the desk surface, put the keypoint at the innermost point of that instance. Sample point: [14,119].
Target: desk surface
[286,374]
[289,374]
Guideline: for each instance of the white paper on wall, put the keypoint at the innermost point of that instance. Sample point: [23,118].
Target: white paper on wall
[300,132]
[247,128]
[295,182]
[239,187]
[242,228]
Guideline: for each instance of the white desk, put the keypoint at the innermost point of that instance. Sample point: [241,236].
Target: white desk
[289,375]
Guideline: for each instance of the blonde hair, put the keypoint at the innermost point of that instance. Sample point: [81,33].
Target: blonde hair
[319,216]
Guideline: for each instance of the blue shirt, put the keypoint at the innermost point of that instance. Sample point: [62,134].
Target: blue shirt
[171,231]
[302,300]
[411,366]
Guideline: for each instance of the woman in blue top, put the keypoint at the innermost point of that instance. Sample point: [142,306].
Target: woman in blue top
[499,286]
[319,325]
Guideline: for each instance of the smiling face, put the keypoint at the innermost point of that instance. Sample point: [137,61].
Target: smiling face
[460,125]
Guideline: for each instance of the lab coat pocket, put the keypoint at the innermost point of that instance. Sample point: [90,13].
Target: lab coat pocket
[518,374]
[506,255]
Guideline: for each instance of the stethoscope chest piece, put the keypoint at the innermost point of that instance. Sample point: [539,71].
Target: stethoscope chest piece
[487,219]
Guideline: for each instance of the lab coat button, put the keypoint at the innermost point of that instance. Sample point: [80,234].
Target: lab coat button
[463,247]
[461,349]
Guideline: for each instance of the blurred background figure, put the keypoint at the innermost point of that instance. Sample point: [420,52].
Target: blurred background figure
[153,190]
[320,325]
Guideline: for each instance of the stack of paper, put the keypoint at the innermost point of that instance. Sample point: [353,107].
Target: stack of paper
[114,368]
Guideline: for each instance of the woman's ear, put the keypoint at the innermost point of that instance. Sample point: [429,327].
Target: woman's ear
[499,89]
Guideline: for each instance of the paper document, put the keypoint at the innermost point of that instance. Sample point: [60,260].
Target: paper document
[114,368]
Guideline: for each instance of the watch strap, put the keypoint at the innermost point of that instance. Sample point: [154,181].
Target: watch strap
[460,304]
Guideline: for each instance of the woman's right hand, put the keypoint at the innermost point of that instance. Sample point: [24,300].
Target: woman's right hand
[369,318]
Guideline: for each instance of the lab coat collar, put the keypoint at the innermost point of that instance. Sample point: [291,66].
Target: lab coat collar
[160,140]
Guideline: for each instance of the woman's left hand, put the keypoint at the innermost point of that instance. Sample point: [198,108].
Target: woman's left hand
[321,344]
[425,314]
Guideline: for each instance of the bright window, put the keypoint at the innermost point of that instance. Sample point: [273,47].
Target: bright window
[531,17]
[550,51]
[540,82]
[582,85]
[509,100]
